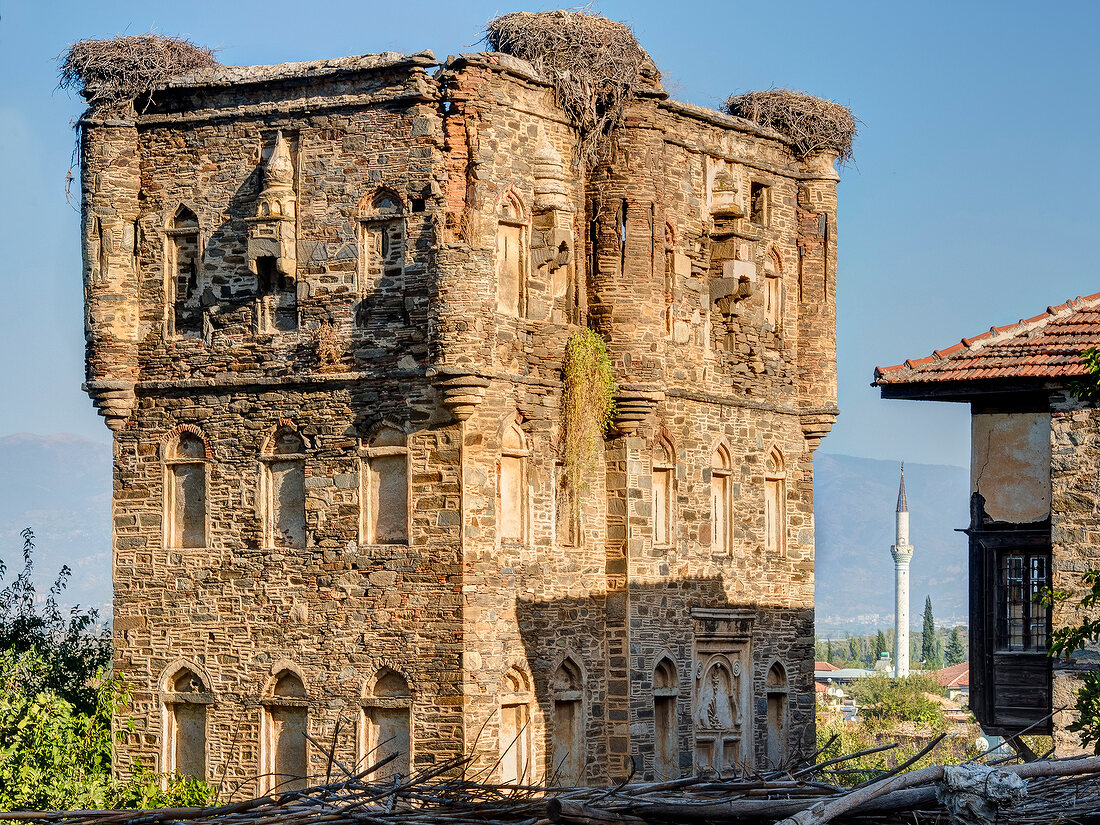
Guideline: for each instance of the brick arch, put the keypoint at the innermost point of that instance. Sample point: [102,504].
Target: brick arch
[282,425]
[775,259]
[366,206]
[173,434]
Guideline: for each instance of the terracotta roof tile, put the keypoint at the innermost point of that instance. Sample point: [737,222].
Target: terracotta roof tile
[953,676]
[1048,345]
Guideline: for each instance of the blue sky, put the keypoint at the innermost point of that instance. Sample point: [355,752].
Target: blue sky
[968,205]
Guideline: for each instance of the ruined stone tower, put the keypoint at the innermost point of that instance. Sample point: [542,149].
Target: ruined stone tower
[327,305]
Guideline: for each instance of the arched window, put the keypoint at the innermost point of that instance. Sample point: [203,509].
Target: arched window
[185,491]
[512,485]
[185,700]
[666,692]
[284,493]
[664,472]
[511,257]
[285,754]
[387,728]
[382,251]
[182,275]
[775,503]
[385,488]
[566,688]
[777,715]
[773,291]
[515,728]
[721,489]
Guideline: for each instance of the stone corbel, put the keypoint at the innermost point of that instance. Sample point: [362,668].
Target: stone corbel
[633,405]
[114,400]
[738,282]
[815,426]
[461,394]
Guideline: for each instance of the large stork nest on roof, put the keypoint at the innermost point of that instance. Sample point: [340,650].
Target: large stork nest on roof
[124,68]
[810,123]
[594,64]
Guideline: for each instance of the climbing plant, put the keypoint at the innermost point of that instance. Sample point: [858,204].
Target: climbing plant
[588,402]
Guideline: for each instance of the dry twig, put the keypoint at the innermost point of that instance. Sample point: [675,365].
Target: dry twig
[595,65]
[125,68]
[810,123]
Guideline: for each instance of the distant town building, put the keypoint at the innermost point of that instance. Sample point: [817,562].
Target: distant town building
[1035,459]
[902,552]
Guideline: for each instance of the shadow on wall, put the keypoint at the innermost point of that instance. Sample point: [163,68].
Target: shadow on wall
[698,683]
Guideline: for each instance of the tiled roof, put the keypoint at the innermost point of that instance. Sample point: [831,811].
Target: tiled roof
[1046,346]
[954,676]
[824,666]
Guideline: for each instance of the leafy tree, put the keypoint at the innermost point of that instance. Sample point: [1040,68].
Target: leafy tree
[829,650]
[72,649]
[56,707]
[880,644]
[930,648]
[886,701]
[956,651]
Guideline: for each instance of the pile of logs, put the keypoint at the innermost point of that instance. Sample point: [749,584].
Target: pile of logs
[1042,791]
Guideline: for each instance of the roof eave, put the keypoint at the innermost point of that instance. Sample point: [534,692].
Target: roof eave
[963,391]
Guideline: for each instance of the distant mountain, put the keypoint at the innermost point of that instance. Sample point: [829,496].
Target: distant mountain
[60,487]
[855,500]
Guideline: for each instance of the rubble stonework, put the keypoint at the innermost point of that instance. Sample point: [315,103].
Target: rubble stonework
[264,335]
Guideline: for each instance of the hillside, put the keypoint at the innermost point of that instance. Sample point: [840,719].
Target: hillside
[855,500]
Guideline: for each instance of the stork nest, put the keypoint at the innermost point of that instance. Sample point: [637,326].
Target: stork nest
[123,69]
[594,64]
[810,123]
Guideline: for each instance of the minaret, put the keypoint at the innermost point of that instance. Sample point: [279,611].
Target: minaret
[902,551]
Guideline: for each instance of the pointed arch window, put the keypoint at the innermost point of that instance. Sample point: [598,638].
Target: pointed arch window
[185,703]
[777,715]
[385,488]
[512,485]
[664,474]
[511,257]
[185,491]
[183,313]
[382,245]
[666,693]
[515,728]
[721,494]
[567,693]
[775,503]
[284,751]
[386,725]
[284,490]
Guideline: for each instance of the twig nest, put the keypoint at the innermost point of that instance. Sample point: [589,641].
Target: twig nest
[811,124]
[124,68]
[595,65]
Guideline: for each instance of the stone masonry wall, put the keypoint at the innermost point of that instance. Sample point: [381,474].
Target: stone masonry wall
[678,249]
